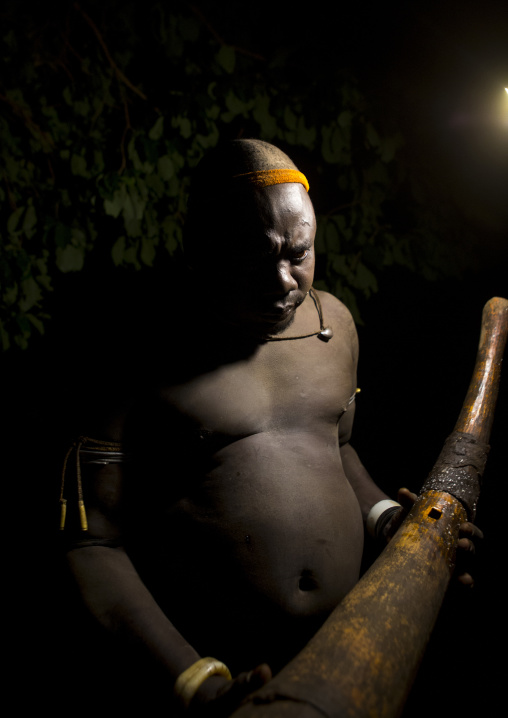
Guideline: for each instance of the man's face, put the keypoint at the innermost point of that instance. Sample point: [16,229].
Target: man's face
[264,261]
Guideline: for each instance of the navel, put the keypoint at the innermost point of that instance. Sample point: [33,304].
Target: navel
[307,582]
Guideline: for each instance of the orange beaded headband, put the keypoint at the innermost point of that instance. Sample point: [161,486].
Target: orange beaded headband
[265,178]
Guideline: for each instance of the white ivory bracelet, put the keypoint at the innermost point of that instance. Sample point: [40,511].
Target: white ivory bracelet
[377,511]
[188,682]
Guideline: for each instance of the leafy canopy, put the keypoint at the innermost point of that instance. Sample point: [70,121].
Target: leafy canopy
[106,110]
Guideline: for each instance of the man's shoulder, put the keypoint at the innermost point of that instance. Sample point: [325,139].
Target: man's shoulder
[337,316]
[335,310]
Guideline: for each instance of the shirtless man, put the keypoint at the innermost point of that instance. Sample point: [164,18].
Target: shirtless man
[235,525]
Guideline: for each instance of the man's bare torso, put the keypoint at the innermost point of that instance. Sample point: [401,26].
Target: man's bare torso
[248,517]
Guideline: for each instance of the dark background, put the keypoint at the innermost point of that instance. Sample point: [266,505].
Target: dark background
[436,71]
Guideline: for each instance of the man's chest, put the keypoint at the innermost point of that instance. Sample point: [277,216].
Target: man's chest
[284,385]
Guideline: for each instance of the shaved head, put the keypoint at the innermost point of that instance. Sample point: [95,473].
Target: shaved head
[216,193]
[241,156]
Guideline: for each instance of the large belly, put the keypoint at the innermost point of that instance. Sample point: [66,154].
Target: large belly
[273,529]
[290,521]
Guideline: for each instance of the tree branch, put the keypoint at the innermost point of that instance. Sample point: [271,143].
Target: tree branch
[26,116]
[127,127]
[113,64]
[240,50]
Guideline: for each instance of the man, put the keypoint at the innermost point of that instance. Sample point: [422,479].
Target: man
[227,517]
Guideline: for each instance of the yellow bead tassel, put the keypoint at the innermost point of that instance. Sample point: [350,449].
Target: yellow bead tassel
[63,502]
[81,504]
[63,513]
[82,515]
[106,447]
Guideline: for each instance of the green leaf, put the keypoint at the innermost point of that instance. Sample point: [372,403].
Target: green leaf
[36,322]
[114,206]
[173,234]
[185,127]
[212,112]
[290,118]
[70,258]
[157,130]
[333,147]
[31,294]
[134,155]
[234,104]
[389,147]
[349,300]
[78,166]
[173,189]
[21,340]
[155,183]
[10,295]
[67,95]
[133,227]
[263,117]
[344,120]
[305,136]
[82,107]
[147,251]
[131,256]
[165,167]
[208,141]
[13,220]
[118,251]
[365,279]
[339,264]
[226,57]
[134,205]
[30,222]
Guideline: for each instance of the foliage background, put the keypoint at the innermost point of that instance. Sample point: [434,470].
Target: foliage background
[107,107]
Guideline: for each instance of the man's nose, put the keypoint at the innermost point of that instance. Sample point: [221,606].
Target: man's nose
[282,280]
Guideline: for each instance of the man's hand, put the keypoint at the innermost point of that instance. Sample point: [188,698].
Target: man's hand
[406,499]
[217,697]
[470,536]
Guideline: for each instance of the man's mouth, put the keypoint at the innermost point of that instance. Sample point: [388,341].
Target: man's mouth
[278,311]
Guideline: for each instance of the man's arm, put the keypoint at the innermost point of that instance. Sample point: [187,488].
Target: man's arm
[109,584]
[115,595]
[367,492]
